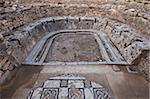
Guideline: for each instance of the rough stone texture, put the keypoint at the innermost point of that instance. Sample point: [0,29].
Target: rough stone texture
[144,66]
[130,43]
[16,44]
[134,14]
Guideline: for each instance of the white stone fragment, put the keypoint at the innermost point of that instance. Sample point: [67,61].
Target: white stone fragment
[77,83]
[88,93]
[95,85]
[52,84]
[63,93]
[37,93]
[69,77]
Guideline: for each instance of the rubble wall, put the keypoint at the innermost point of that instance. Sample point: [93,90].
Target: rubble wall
[15,44]
[134,14]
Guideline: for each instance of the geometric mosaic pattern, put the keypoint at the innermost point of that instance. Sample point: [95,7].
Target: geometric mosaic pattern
[69,86]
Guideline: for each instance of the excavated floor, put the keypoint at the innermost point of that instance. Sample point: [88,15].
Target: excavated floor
[86,79]
[74,47]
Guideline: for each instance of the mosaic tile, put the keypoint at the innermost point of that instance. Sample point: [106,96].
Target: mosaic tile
[63,93]
[100,93]
[52,84]
[64,83]
[95,85]
[76,93]
[87,84]
[50,94]
[88,93]
[69,89]
[77,83]
[36,93]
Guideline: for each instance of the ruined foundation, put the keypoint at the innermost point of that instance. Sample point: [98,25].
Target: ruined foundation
[50,34]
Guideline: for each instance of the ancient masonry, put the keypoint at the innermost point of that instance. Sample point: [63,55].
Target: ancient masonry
[110,55]
[45,34]
[17,46]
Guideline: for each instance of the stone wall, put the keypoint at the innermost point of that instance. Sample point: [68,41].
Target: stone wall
[144,66]
[16,44]
[65,1]
[137,16]
[133,46]
[130,43]
[134,14]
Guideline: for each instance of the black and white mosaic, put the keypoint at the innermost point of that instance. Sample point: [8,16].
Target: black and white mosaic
[69,87]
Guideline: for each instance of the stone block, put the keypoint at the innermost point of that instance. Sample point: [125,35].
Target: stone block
[18,55]
[133,51]
[3,61]
[131,12]
[1,73]
[11,67]
[6,66]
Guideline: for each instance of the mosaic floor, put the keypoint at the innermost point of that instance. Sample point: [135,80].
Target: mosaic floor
[69,87]
[74,47]
[83,82]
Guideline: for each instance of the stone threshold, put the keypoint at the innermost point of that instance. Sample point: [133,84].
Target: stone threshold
[75,63]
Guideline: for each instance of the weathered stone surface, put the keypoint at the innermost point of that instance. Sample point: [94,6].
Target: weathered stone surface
[126,23]
[133,12]
[4,77]
[144,66]
[127,40]
[1,73]
[6,66]
[28,13]
[1,38]
[3,61]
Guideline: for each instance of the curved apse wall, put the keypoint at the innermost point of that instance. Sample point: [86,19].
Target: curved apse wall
[19,43]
